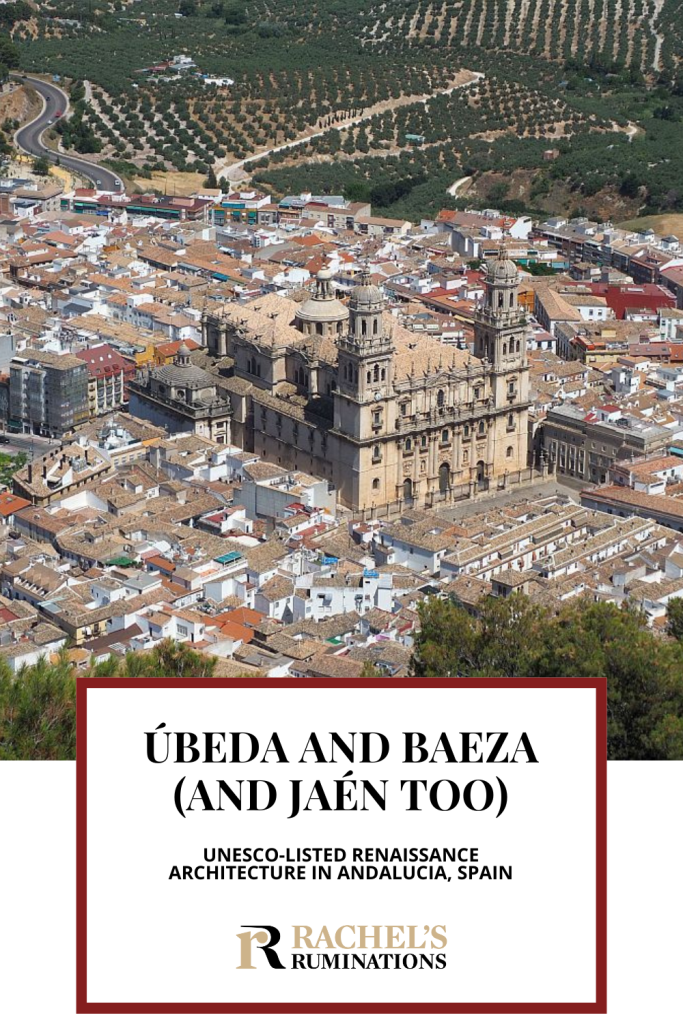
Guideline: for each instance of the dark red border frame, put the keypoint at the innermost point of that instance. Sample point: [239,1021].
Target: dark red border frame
[600,1004]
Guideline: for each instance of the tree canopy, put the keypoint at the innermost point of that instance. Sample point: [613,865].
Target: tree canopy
[38,703]
[516,637]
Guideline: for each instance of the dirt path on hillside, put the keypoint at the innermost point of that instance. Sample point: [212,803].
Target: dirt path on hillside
[236,172]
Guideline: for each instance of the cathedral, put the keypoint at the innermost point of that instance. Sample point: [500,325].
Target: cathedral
[347,394]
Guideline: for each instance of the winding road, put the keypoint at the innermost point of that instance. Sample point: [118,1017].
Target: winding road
[29,138]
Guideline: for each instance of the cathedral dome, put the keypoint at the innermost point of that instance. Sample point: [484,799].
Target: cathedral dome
[366,294]
[323,305]
[322,308]
[503,270]
[187,376]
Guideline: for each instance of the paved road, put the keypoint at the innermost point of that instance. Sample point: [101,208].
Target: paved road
[26,444]
[29,139]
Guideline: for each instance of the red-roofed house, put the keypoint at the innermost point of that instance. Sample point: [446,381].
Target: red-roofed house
[108,376]
[624,297]
[9,504]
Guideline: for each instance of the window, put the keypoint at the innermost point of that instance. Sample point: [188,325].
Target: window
[369,378]
[505,348]
[363,327]
[477,394]
[481,429]
[444,436]
[404,409]
[377,417]
[440,399]
[466,430]
[374,326]
[375,372]
[384,373]
[509,452]
[511,422]
[375,484]
[511,387]
[408,445]
[423,441]
[376,453]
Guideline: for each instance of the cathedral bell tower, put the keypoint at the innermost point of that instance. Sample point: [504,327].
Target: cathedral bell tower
[500,325]
[365,364]
[366,351]
[500,333]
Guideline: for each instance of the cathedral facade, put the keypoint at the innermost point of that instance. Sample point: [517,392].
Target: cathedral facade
[347,394]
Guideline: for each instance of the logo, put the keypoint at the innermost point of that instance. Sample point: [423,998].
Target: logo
[267,937]
[354,940]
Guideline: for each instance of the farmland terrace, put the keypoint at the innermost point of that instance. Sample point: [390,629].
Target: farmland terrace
[332,95]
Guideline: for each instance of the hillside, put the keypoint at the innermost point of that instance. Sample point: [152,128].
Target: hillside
[347,82]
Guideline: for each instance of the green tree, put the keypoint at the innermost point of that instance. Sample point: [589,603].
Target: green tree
[515,637]
[674,626]
[38,703]
[41,166]
[38,711]
[168,659]
[370,671]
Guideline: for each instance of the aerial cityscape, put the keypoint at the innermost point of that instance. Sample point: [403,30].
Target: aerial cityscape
[341,340]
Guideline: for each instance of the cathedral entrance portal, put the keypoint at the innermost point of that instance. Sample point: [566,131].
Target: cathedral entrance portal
[482,482]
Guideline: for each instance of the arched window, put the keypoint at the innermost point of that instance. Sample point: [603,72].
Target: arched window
[409,444]
[444,436]
[319,328]
[375,484]
[501,299]
[377,452]
[374,326]
[440,398]
[511,421]
[505,348]
[518,344]
[408,489]
[375,372]
[509,452]
[384,374]
[363,327]
[466,430]
[369,377]
[481,429]
[444,477]
[512,299]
